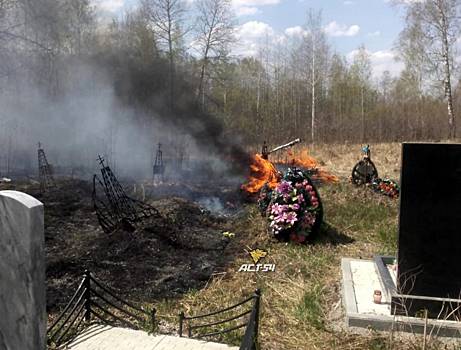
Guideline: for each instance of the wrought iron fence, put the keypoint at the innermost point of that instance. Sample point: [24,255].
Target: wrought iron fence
[92,300]
[250,339]
[208,330]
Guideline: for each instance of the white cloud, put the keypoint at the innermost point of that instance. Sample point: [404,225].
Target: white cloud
[252,35]
[254,29]
[377,33]
[297,31]
[405,2]
[240,3]
[109,5]
[381,61]
[336,29]
[246,11]
[250,7]
[348,2]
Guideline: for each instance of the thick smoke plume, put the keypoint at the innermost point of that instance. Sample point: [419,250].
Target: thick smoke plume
[118,109]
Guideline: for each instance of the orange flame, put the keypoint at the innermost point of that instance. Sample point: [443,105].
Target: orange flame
[305,161]
[262,172]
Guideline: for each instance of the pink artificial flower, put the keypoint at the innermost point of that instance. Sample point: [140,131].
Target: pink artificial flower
[277,209]
[295,206]
[284,187]
[280,218]
[291,217]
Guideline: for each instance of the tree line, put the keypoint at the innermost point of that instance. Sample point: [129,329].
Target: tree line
[299,88]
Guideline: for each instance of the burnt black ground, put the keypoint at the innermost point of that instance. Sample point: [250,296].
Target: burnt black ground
[163,258]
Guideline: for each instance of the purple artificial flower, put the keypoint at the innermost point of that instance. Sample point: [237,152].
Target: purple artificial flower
[294,206]
[300,198]
[291,217]
[284,187]
[277,209]
[281,217]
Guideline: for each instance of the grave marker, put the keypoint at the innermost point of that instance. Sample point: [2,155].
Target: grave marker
[22,273]
[429,248]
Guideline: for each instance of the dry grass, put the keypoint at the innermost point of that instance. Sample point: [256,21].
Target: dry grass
[340,159]
[301,307]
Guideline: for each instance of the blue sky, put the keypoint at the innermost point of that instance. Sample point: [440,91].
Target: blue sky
[347,23]
[378,22]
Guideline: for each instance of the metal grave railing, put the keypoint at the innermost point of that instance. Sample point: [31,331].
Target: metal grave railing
[94,302]
[228,324]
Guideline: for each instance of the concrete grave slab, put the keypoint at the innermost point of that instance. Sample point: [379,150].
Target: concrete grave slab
[359,279]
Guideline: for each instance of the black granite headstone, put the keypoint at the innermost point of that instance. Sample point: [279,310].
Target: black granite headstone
[429,248]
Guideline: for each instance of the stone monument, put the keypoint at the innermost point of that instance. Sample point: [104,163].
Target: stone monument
[429,270]
[424,288]
[22,273]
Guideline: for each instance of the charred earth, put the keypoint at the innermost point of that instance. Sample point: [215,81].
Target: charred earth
[164,257]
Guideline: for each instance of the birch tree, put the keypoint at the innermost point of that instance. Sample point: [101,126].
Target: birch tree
[316,50]
[361,70]
[165,17]
[214,34]
[439,22]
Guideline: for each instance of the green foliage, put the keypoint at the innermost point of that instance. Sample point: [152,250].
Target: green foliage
[378,343]
[388,240]
[310,309]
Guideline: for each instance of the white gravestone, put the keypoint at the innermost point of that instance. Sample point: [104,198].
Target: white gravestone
[22,273]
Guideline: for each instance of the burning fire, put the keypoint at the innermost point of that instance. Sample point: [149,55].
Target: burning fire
[325,176]
[262,172]
[305,161]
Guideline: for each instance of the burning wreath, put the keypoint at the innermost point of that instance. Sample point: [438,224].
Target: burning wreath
[293,208]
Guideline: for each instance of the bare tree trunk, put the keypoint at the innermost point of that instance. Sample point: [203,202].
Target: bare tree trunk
[313,94]
[171,59]
[258,93]
[362,113]
[447,73]
[448,92]
[201,90]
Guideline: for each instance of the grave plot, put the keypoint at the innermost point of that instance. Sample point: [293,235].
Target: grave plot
[75,241]
[286,192]
[422,285]
[366,173]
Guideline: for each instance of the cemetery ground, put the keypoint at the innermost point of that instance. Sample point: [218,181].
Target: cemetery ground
[190,266]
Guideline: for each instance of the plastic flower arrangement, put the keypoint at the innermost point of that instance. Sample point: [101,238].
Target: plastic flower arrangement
[293,208]
[386,187]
